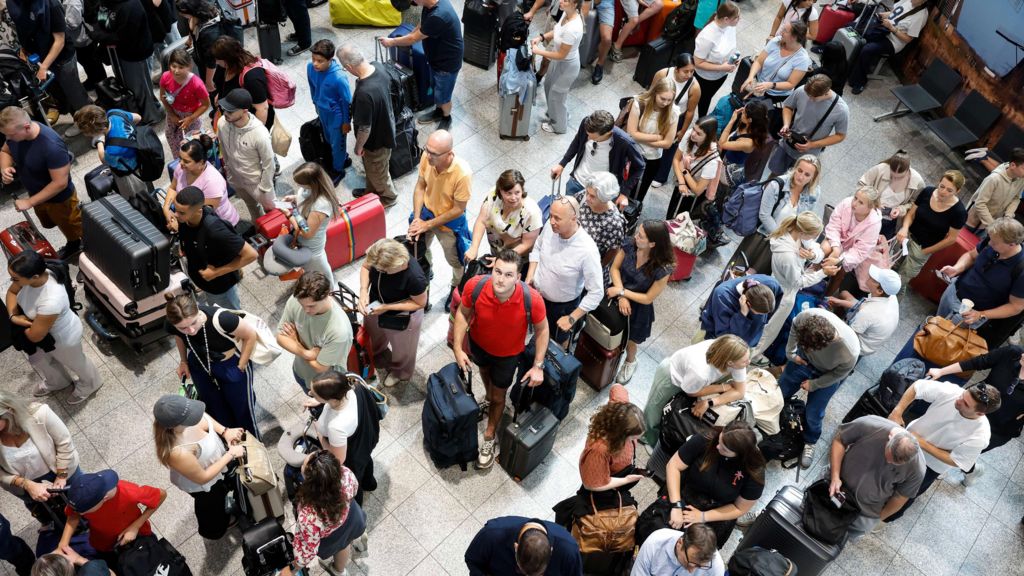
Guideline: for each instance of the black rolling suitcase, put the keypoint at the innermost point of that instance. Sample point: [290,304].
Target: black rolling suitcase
[450,415]
[742,71]
[480,33]
[654,56]
[269,36]
[867,405]
[779,527]
[126,246]
[405,156]
[525,439]
[112,92]
[404,92]
[314,145]
[99,182]
[266,548]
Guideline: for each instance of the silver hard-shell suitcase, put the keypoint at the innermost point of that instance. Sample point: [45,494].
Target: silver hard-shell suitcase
[515,115]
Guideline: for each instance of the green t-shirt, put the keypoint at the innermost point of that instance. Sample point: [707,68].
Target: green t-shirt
[329,331]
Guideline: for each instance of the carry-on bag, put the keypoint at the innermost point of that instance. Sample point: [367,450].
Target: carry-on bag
[126,246]
[942,342]
[414,58]
[269,37]
[405,156]
[450,415]
[128,312]
[606,325]
[638,37]
[243,11]
[360,224]
[112,92]
[654,56]
[99,182]
[779,527]
[25,236]
[401,81]
[822,519]
[525,439]
[607,530]
[833,18]
[599,364]
[517,110]
[869,404]
[379,13]
[266,548]
[480,33]
[591,39]
[314,146]
[150,556]
[254,508]
[561,371]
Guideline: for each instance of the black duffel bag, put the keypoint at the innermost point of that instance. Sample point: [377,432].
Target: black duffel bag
[822,519]
[151,556]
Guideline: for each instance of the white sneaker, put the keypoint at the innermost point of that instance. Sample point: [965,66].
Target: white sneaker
[328,566]
[40,390]
[626,372]
[547,127]
[485,458]
[360,544]
[656,184]
[807,457]
[72,131]
[747,519]
[970,479]
[976,154]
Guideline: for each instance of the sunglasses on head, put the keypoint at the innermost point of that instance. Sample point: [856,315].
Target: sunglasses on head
[567,200]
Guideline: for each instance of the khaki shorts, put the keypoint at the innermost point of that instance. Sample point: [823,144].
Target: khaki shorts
[66,215]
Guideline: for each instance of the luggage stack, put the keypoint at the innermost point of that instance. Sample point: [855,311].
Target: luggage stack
[415,59]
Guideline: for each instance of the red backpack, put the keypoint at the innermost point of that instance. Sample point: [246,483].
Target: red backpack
[280,86]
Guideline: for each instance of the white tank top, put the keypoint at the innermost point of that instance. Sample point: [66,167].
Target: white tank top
[682,90]
[211,448]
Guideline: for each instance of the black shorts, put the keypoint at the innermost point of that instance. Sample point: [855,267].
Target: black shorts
[502,368]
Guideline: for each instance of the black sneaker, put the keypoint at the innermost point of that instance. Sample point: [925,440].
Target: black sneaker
[857,89]
[357,192]
[347,164]
[448,302]
[337,177]
[70,250]
[445,123]
[292,37]
[296,50]
[597,75]
[818,49]
[434,115]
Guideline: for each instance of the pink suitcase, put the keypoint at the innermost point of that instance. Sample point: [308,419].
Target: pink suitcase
[129,314]
[361,224]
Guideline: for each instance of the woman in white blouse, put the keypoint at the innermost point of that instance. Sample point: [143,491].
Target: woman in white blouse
[714,53]
[565,64]
[696,165]
[652,124]
[712,367]
[682,73]
[508,218]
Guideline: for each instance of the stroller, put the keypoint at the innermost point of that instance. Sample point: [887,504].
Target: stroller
[19,86]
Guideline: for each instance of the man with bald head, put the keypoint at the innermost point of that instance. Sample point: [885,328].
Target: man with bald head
[439,203]
[878,464]
[565,267]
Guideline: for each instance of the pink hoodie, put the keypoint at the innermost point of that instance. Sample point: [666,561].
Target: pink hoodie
[855,239]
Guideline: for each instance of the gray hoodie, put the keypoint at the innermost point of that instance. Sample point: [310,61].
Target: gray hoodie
[248,157]
[997,196]
[790,270]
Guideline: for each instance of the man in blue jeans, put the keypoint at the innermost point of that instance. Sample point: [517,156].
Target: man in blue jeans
[14,550]
[440,29]
[822,351]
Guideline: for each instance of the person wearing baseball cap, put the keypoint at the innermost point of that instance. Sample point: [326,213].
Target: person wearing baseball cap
[189,443]
[111,506]
[249,160]
[874,318]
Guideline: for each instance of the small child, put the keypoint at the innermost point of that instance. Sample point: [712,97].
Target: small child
[100,125]
[184,97]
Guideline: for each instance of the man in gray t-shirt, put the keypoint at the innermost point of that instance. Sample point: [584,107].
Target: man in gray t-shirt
[878,464]
[802,112]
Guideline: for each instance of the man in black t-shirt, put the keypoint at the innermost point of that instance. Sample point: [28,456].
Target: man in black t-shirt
[215,252]
[374,122]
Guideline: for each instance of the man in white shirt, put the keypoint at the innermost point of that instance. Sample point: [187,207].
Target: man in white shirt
[601,146]
[890,32]
[671,552]
[875,317]
[563,263]
[954,429]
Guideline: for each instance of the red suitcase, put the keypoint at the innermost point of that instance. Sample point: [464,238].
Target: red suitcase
[831,20]
[269,225]
[25,236]
[599,363]
[684,265]
[639,35]
[361,224]
[930,286]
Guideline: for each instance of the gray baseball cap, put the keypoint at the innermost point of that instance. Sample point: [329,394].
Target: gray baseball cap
[172,410]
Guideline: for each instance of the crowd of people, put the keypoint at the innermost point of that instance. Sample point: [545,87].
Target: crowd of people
[544,270]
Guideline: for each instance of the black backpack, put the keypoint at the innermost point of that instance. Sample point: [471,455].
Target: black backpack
[789,442]
[149,151]
[679,23]
[757,561]
[897,378]
[513,32]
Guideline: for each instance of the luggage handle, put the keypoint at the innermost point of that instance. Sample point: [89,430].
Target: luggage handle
[94,322]
[556,187]
[466,376]
[115,64]
[273,542]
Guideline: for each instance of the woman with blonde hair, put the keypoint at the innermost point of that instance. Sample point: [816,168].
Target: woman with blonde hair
[37,451]
[392,296]
[794,244]
[69,563]
[852,230]
[190,443]
[652,121]
[318,205]
[712,367]
[899,184]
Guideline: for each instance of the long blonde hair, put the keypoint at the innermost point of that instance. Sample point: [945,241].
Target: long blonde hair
[165,439]
[806,222]
[648,102]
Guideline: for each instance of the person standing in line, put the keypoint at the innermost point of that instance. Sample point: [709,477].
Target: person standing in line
[249,161]
[999,193]
[14,550]
[373,121]
[195,169]
[605,27]
[780,66]
[601,146]
[124,25]
[933,223]
[565,40]
[520,545]
[813,118]
[793,11]
[328,88]
[652,123]
[714,53]
[298,13]
[184,98]
[508,219]
[687,95]
[441,32]
[315,329]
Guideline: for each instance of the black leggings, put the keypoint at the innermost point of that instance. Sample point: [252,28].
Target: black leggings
[708,89]
[651,170]
[211,516]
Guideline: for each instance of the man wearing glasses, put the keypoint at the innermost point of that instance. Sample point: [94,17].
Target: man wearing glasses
[565,267]
[669,552]
[954,429]
[439,203]
[526,546]
[600,146]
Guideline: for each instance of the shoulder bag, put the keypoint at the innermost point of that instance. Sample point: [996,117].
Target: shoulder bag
[391,320]
[266,350]
[611,530]
[942,342]
[255,468]
[795,138]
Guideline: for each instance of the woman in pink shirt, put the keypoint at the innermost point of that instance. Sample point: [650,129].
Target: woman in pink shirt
[853,229]
[194,170]
[184,97]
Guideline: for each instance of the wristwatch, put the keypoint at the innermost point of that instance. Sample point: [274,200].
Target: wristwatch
[622,293]
[679,504]
[711,402]
[571,319]
[539,365]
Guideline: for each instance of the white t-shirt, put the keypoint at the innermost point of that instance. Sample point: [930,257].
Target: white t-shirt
[338,425]
[710,168]
[910,25]
[595,159]
[714,44]
[944,427]
[682,98]
[690,370]
[875,322]
[793,14]
[47,300]
[570,33]
[650,126]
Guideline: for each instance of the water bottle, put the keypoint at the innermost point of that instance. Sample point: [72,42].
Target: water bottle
[735,57]
[804,305]
[303,225]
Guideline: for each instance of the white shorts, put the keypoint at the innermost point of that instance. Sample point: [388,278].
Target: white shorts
[630,7]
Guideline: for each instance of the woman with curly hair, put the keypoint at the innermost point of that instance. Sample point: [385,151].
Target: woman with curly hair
[239,68]
[715,480]
[327,520]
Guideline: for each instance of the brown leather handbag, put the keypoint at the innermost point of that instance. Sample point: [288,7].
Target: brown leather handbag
[611,530]
[942,342]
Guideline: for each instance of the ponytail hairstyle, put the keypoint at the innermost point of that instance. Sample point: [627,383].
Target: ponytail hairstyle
[180,307]
[313,177]
[757,122]
[898,162]
[332,385]
[806,222]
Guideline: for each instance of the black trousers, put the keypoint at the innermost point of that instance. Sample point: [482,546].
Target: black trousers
[930,476]
[870,54]
[708,89]
[211,515]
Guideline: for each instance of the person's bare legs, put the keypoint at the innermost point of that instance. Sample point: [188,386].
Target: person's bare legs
[654,7]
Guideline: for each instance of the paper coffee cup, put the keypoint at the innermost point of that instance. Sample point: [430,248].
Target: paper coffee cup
[966,305]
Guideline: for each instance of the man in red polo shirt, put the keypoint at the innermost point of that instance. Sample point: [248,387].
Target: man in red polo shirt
[497,324]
